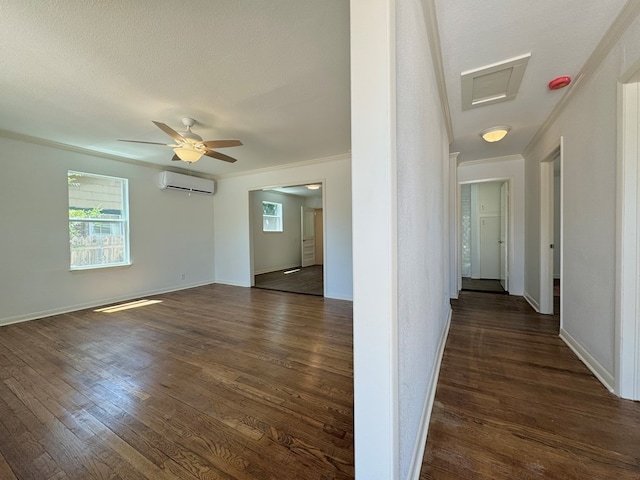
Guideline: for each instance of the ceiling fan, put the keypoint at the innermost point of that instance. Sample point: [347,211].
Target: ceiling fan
[189,147]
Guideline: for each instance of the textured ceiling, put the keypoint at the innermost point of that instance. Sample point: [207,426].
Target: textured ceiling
[274,75]
[559,34]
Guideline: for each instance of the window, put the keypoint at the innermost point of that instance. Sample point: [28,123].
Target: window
[98,220]
[271,217]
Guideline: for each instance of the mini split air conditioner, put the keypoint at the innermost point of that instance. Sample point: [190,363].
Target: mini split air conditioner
[187,183]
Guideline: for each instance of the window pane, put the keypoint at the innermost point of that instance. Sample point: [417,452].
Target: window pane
[271,217]
[98,220]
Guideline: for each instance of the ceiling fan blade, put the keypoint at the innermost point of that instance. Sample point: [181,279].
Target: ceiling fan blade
[138,141]
[220,156]
[222,143]
[169,131]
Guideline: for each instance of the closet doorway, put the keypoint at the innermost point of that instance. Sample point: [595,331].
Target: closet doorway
[484,236]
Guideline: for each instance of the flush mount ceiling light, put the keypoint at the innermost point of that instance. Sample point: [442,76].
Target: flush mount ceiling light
[314,186]
[494,134]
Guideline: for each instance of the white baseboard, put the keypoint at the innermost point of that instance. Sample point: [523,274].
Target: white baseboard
[97,303]
[423,430]
[233,283]
[531,301]
[592,364]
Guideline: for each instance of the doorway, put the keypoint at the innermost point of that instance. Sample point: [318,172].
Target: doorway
[484,236]
[287,238]
[627,362]
[551,233]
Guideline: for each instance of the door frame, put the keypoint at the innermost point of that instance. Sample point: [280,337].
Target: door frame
[504,234]
[546,230]
[510,219]
[322,182]
[627,301]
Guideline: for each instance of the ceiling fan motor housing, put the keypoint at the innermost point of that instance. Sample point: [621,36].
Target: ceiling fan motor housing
[190,122]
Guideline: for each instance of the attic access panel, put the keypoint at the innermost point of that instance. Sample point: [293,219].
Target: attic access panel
[494,83]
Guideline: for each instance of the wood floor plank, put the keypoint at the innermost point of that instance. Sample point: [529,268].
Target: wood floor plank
[5,469]
[214,382]
[514,402]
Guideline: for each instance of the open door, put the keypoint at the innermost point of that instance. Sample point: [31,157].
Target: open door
[504,236]
[308,236]
[546,230]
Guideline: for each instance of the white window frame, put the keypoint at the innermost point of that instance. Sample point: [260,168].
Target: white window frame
[279,228]
[123,221]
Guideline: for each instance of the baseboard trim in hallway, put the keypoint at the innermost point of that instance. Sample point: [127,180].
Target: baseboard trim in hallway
[531,301]
[591,363]
[418,452]
[513,401]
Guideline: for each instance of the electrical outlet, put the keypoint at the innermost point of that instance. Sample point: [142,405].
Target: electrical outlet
[182,276]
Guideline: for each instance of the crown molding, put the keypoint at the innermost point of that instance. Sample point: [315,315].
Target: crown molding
[626,16]
[506,158]
[21,137]
[93,153]
[283,166]
[433,34]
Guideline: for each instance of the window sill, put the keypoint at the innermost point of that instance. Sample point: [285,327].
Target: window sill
[99,267]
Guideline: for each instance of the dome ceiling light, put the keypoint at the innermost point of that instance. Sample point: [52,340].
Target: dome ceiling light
[494,134]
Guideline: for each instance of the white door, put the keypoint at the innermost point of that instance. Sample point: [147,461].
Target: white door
[489,247]
[504,236]
[308,236]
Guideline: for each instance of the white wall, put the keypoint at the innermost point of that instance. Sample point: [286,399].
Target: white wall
[276,250]
[401,299]
[422,216]
[171,234]
[505,168]
[231,221]
[588,127]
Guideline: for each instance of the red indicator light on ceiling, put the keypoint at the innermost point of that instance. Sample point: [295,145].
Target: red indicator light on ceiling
[559,82]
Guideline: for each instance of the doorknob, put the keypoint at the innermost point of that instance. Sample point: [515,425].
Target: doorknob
[500,242]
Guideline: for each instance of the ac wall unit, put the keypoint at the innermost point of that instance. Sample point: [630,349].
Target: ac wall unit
[187,183]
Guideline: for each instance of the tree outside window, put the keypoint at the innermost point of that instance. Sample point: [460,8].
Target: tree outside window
[98,220]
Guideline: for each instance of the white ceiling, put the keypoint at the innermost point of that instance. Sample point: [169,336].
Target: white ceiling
[300,191]
[559,34]
[274,74]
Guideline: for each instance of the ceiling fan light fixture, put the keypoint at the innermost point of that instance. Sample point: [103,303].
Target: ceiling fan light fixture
[187,154]
[494,134]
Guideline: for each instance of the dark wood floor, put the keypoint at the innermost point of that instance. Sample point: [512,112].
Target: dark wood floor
[307,280]
[482,285]
[215,382]
[222,382]
[513,402]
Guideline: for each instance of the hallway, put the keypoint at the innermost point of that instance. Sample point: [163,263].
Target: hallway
[513,402]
